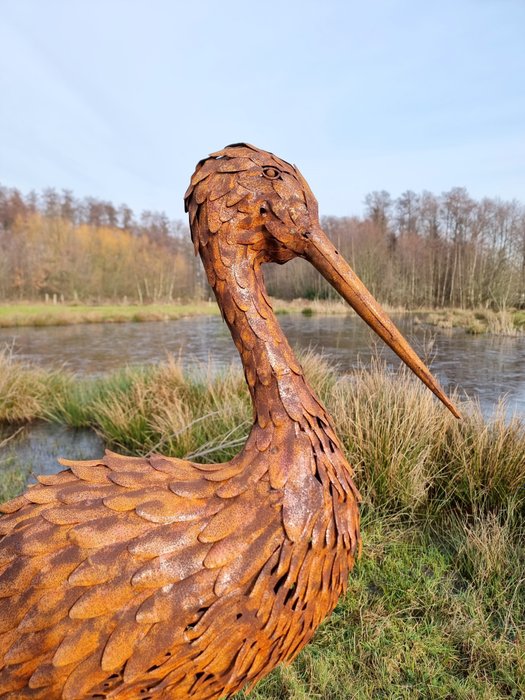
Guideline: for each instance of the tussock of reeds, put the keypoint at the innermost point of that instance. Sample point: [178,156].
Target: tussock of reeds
[26,391]
[436,605]
[504,322]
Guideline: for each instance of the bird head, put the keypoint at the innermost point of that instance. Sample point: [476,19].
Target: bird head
[250,197]
[254,198]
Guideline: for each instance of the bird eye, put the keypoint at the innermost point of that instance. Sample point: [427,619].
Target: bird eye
[271,172]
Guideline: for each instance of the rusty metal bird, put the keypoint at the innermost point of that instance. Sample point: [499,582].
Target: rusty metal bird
[156,577]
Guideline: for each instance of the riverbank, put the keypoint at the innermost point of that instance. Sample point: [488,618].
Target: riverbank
[474,322]
[481,321]
[40,314]
[15,315]
[436,604]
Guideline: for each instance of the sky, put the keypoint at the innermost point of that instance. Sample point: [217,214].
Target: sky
[119,99]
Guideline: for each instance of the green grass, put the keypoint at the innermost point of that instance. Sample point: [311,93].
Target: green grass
[40,314]
[12,315]
[13,476]
[519,320]
[436,605]
[414,624]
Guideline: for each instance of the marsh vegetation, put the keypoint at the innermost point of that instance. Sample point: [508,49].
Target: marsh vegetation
[481,321]
[436,605]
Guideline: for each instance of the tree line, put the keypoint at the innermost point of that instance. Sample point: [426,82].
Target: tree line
[424,250]
[89,250]
[418,250]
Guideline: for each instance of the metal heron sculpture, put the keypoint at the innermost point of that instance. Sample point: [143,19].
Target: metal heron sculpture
[146,578]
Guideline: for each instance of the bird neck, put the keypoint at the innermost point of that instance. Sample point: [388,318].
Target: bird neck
[288,417]
[275,378]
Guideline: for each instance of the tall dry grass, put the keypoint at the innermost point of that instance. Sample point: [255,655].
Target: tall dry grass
[476,322]
[410,454]
[26,391]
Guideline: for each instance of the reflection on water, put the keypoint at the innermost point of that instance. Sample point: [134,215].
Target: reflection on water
[483,367]
[34,448]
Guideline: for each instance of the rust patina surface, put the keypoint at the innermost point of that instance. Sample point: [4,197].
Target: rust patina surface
[163,578]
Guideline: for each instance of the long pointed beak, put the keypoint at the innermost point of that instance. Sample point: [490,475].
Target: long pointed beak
[322,254]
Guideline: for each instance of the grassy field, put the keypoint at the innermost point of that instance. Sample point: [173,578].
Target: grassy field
[40,314]
[436,605]
[12,315]
[28,314]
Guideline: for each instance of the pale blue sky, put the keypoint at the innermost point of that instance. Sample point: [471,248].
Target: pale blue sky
[120,98]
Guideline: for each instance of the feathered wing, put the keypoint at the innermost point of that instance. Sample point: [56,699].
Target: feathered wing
[106,564]
[126,576]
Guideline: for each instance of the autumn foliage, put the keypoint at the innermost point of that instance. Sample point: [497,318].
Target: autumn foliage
[90,251]
[417,250]
[423,250]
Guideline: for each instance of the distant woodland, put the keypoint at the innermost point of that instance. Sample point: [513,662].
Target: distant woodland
[419,250]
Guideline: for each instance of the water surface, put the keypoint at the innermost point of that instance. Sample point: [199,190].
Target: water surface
[483,367]
[33,449]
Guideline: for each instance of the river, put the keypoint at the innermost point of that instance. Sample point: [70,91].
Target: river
[482,367]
